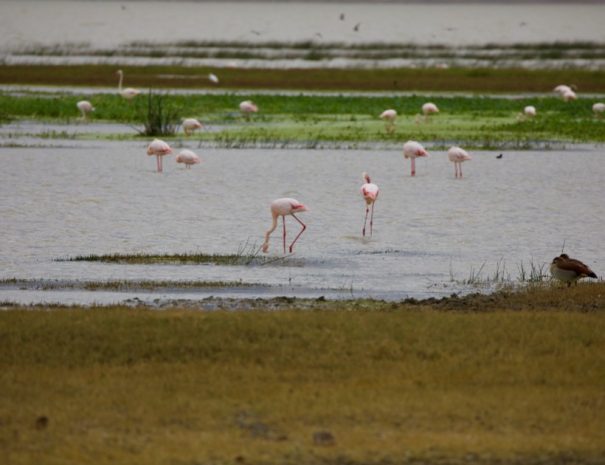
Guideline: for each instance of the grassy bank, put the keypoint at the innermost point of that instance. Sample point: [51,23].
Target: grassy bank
[485,122]
[519,380]
[400,79]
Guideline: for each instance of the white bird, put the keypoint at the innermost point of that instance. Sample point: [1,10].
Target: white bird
[598,109]
[413,150]
[187,157]
[389,116]
[569,95]
[128,93]
[561,89]
[428,109]
[159,148]
[284,207]
[85,107]
[190,125]
[458,155]
[369,191]
[247,107]
[529,111]
[213,78]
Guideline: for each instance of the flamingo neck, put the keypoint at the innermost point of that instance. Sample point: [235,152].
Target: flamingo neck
[269,231]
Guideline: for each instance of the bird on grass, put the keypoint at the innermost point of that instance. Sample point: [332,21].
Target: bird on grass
[187,157]
[428,109]
[128,93]
[85,108]
[569,270]
[413,150]
[159,148]
[369,191]
[598,109]
[389,116]
[529,111]
[284,207]
[457,156]
[190,125]
[247,107]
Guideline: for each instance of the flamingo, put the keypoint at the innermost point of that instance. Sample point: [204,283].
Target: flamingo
[190,125]
[283,207]
[129,93]
[561,89]
[428,109]
[569,95]
[159,148]
[598,109]
[458,155]
[413,150]
[85,107]
[247,107]
[187,157]
[569,270]
[370,194]
[529,111]
[389,117]
[213,78]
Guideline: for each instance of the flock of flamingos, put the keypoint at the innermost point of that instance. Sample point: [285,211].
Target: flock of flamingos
[563,268]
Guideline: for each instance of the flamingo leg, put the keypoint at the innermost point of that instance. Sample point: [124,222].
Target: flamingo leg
[363,232]
[413,166]
[372,219]
[159,163]
[284,235]
[304,226]
[460,169]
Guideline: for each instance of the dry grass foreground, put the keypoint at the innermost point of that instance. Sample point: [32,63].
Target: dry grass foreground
[509,378]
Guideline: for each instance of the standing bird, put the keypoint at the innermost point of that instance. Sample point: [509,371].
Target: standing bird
[85,107]
[529,111]
[389,116]
[187,157]
[428,109]
[248,107]
[370,194]
[159,148]
[129,93]
[598,109]
[190,125]
[561,89]
[283,207]
[413,150]
[458,155]
[569,95]
[213,78]
[569,270]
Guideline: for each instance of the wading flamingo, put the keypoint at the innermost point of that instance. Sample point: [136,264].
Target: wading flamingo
[159,148]
[598,109]
[389,116]
[190,125]
[187,157]
[248,107]
[457,156]
[85,107]
[569,270]
[413,150]
[370,194]
[283,207]
[129,93]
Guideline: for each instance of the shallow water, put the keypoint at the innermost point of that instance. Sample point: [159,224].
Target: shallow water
[106,198]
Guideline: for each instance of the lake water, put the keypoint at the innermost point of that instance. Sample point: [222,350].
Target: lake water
[105,198]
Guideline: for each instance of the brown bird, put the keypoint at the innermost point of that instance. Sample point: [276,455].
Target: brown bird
[569,270]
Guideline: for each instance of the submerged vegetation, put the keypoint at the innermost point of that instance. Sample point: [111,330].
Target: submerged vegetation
[505,378]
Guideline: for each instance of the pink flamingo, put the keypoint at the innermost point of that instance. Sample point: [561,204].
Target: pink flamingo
[569,95]
[457,156]
[129,93]
[428,109]
[187,157]
[529,111]
[389,117]
[159,148]
[413,150]
[85,107]
[283,207]
[190,125]
[247,107]
[370,194]
[598,109]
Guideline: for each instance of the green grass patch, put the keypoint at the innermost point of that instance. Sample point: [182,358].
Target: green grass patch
[252,258]
[520,381]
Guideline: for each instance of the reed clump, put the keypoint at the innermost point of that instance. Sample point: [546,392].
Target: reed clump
[519,381]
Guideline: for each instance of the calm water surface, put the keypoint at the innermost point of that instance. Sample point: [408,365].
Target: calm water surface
[104,198]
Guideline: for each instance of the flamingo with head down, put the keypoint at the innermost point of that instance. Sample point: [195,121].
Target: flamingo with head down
[284,207]
[413,150]
[187,157]
[159,148]
[85,108]
[190,125]
[457,156]
[389,116]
